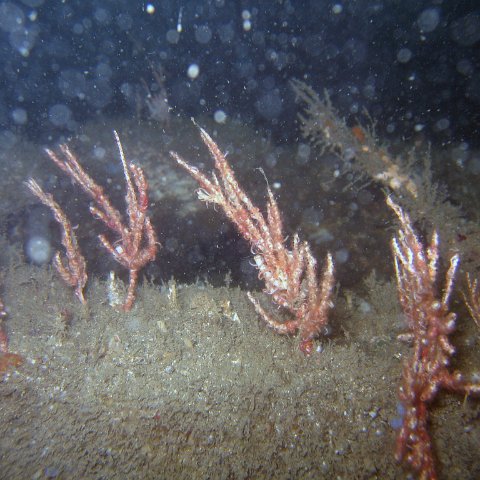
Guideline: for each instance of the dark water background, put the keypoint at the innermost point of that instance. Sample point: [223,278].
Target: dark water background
[413,64]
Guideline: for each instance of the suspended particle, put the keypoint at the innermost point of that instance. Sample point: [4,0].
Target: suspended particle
[220,116]
[247,23]
[193,71]
[337,8]
[179,21]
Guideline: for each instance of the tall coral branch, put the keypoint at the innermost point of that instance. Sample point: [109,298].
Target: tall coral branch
[430,323]
[7,359]
[324,127]
[472,301]
[3,334]
[73,268]
[137,242]
[289,274]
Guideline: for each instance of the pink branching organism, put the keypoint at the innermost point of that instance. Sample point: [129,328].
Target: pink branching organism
[289,274]
[473,300]
[3,335]
[72,269]
[7,359]
[430,322]
[136,244]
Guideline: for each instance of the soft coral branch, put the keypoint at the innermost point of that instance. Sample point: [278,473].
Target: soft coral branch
[289,273]
[430,323]
[72,268]
[136,243]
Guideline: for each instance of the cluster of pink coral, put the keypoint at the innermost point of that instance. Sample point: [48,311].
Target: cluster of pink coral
[290,277]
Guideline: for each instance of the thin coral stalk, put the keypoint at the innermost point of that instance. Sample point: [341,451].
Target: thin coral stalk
[7,359]
[430,322]
[473,300]
[3,335]
[328,131]
[137,243]
[289,274]
[73,268]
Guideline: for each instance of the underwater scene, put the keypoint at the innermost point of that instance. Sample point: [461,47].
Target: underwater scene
[239,239]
